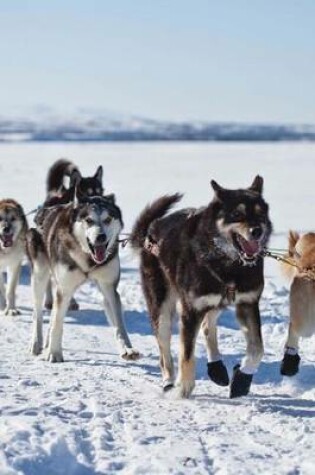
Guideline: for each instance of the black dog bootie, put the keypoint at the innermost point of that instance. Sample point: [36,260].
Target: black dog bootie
[240,384]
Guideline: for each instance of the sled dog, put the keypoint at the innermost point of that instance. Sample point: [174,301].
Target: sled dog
[57,189]
[58,192]
[13,228]
[301,249]
[198,261]
[78,241]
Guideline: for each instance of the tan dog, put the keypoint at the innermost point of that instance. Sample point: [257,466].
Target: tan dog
[13,227]
[302,297]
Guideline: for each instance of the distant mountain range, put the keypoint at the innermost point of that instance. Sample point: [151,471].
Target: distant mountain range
[43,124]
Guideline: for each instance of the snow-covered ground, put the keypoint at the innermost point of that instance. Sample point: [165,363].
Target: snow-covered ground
[96,414]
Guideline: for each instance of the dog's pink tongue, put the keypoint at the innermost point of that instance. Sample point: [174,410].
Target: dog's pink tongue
[99,253]
[250,247]
[7,240]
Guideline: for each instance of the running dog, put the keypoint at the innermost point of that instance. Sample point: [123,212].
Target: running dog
[198,261]
[13,228]
[302,297]
[59,193]
[78,241]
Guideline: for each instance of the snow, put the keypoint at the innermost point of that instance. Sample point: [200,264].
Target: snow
[97,414]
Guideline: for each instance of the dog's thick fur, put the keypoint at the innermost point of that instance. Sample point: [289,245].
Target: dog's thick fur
[198,261]
[78,241]
[83,186]
[58,193]
[13,228]
[301,249]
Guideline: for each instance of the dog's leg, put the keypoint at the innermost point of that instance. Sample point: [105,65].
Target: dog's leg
[300,313]
[161,306]
[163,335]
[113,310]
[190,324]
[2,292]
[54,350]
[49,299]
[249,318]
[217,371]
[66,284]
[39,280]
[291,359]
[13,277]
[49,296]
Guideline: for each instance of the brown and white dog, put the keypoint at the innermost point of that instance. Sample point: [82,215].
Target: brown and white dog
[301,250]
[13,228]
[198,261]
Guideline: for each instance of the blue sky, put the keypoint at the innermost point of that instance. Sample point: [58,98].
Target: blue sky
[209,60]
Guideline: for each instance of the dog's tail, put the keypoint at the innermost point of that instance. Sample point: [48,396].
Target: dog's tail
[288,270]
[154,211]
[58,171]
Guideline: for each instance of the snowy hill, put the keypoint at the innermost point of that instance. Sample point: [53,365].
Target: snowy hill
[44,124]
[95,414]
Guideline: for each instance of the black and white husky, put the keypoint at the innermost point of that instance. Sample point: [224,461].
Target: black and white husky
[78,241]
[198,261]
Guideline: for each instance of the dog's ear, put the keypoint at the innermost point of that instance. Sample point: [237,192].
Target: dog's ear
[257,184]
[99,174]
[111,198]
[219,190]
[292,240]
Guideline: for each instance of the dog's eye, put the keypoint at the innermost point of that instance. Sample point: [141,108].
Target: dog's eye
[107,220]
[1,219]
[236,215]
[12,219]
[89,221]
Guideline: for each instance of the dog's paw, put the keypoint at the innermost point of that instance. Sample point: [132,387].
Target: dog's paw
[36,348]
[130,354]
[185,388]
[11,312]
[48,305]
[217,372]
[290,364]
[240,384]
[168,384]
[73,305]
[55,357]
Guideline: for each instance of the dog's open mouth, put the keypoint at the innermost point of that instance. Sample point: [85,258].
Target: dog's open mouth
[98,252]
[7,240]
[249,250]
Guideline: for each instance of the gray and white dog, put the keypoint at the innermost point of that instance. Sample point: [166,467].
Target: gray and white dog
[78,241]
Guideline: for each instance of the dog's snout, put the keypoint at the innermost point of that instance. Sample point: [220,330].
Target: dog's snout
[101,238]
[256,232]
[7,229]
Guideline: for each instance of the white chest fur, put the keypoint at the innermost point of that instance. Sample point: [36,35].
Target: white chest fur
[202,302]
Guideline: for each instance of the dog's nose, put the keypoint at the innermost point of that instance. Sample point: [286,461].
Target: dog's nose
[101,238]
[256,232]
[7,229]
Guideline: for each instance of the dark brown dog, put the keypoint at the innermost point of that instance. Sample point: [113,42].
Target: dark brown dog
[200,261]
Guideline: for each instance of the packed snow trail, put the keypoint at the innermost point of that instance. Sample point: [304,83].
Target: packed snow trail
[97,414]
